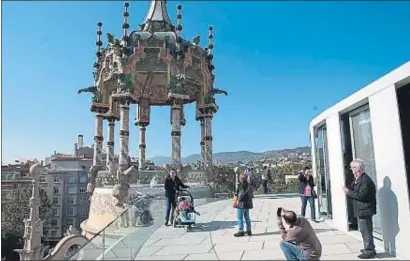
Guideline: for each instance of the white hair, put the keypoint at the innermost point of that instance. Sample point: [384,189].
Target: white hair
[359,163]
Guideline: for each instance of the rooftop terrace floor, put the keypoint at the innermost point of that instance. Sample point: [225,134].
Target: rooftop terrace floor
[213,238]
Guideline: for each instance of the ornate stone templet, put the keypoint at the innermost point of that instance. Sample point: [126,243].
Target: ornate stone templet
[152,65]
[33,225]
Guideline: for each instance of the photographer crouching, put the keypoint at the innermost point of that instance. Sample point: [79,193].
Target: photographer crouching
[299,242]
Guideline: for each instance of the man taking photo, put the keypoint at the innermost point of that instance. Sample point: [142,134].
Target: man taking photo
[299,242]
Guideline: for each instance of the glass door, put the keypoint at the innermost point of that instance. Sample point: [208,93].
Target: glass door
[322,174]
[361,133]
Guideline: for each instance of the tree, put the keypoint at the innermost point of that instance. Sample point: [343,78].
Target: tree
[15,208]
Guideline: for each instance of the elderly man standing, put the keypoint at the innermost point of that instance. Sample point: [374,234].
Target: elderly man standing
[363,193]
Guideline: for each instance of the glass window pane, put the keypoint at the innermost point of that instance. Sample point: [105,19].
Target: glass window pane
[363,149]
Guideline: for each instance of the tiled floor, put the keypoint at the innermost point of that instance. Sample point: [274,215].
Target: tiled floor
[213,238]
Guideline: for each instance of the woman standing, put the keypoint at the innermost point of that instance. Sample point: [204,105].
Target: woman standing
[244,195]
[307,193]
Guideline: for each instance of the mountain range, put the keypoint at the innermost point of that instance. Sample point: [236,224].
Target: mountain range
[227,157]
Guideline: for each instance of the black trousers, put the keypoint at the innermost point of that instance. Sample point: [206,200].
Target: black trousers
[170,205]
[366,228]
[265,186]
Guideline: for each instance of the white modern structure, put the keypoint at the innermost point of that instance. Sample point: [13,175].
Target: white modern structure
[372,124]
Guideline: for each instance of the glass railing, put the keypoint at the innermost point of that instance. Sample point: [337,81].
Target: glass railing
[117,241]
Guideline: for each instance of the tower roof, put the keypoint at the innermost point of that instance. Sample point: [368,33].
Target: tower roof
[157,18]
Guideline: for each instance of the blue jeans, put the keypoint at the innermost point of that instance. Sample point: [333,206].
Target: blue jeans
[170,205]
[292,251]
[243,213]
[312,206]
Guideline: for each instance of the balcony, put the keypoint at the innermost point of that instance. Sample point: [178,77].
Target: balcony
[212,237]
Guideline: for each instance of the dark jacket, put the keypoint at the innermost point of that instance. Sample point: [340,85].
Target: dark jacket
[171,186]
[303,182]
[245,195]
[363,193]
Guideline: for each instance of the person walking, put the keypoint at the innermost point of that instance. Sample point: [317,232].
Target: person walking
[172,184]
[307,193]
[363,193]
[265,179]
[244,196]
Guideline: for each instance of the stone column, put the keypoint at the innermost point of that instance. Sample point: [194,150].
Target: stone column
[110,143]
[202,120]
[143,119]
[98,139]
[176,111]
[124,135]
[97,159]
[142,146]
[120,191]
[208,139]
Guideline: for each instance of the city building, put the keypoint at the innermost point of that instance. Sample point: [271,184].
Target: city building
[65,182]
[15,176]
[372,124]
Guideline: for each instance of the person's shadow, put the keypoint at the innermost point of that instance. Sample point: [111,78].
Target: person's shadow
[389,214]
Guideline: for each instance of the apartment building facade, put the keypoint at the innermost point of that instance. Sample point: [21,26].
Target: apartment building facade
[65,182]
[15,176]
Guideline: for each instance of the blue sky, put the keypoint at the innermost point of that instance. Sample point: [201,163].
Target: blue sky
[281,62]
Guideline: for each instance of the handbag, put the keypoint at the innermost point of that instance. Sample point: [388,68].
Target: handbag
[314,195]
[235,202]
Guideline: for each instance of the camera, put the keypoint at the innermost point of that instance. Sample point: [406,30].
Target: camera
[279,211]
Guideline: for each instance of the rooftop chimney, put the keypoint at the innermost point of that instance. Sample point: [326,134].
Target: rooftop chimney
[80,141]
[75,150]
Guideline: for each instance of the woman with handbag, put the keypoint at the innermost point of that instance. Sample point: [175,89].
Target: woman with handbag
[243,203]
[307,192]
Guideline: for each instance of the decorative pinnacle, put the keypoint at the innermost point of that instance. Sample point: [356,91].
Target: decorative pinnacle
[210,40]
[178,30]
[125,25]
[98,43]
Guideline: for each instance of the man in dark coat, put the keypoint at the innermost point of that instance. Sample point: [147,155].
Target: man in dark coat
[363,193]
[172,184]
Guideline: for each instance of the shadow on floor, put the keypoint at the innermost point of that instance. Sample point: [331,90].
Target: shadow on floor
[385,255]
[318,231]
[214,226]
[267,196]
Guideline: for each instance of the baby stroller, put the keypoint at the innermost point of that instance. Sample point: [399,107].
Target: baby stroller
[184,213]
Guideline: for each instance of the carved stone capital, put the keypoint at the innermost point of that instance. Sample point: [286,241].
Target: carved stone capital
[99,107]
[175,133]
[124,133]
[98,138]
[111,120]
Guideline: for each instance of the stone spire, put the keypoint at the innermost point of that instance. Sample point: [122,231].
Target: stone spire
[157,18]
[33,230]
